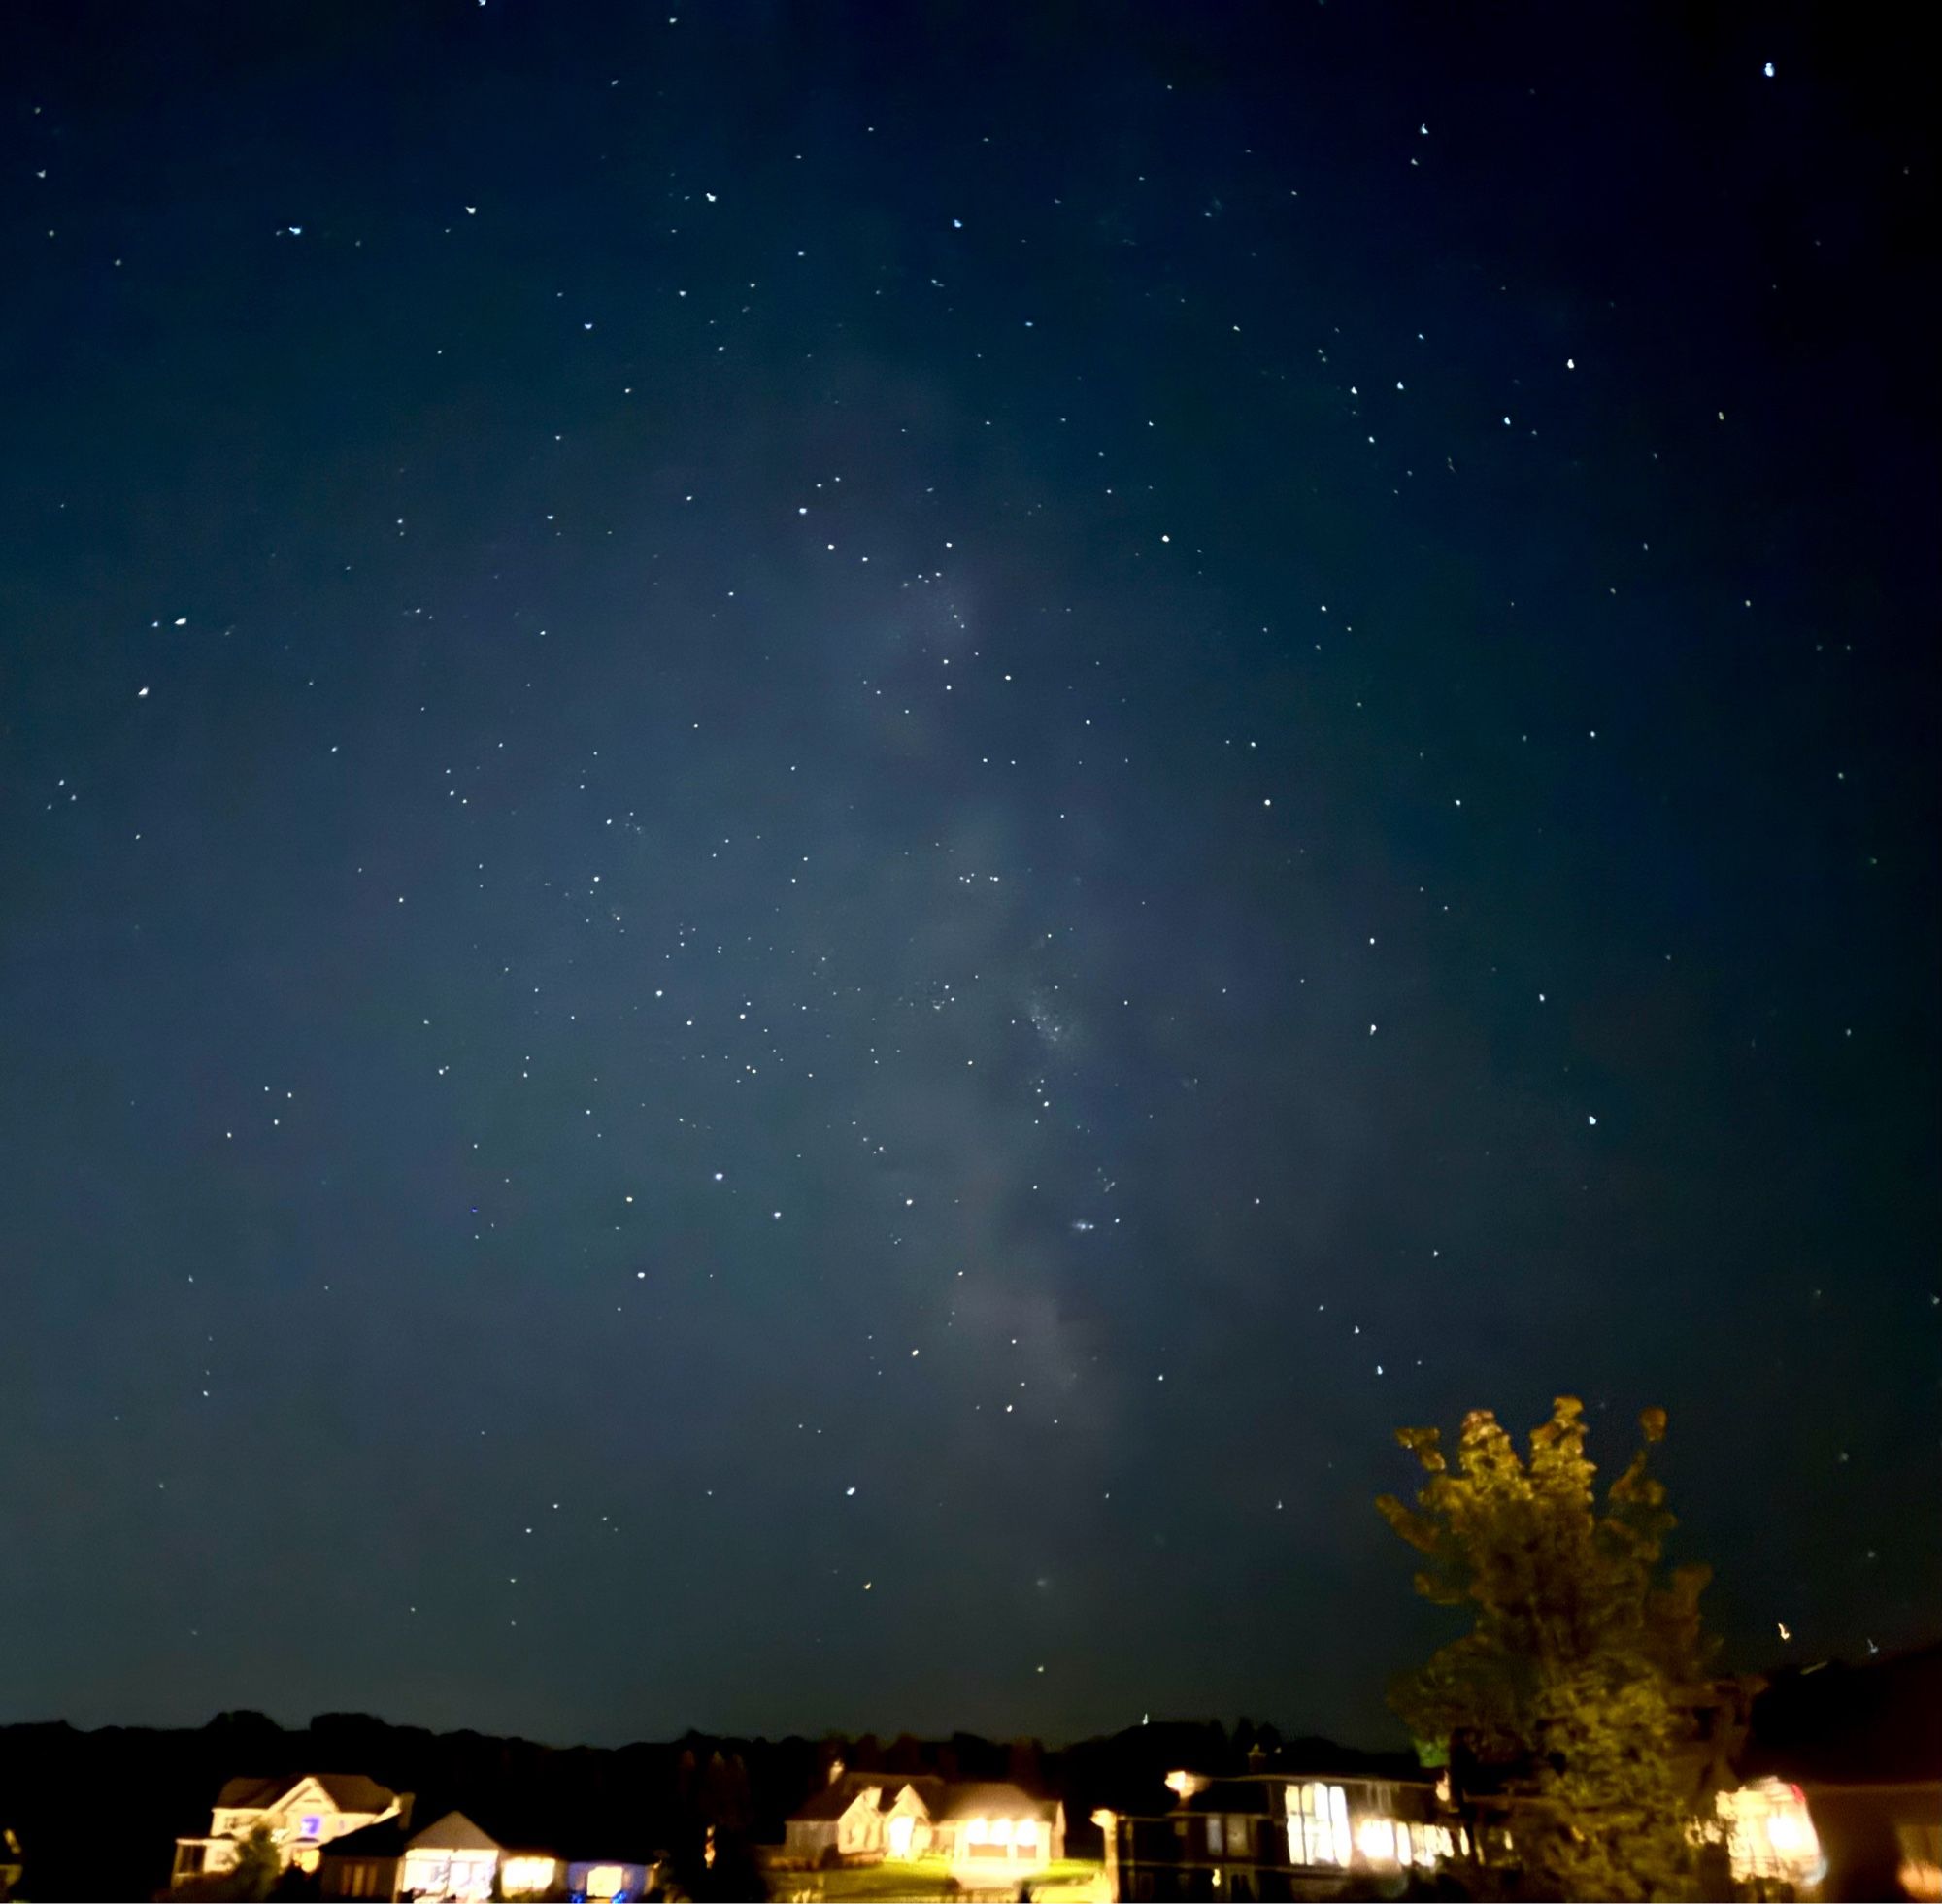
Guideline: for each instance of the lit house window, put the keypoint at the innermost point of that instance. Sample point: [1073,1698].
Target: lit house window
[428,1871]
[1216,1838]
[313,1826]
[518,1875]
[1771,1834]
[1318,1825]
[1430,1843]
[1027,1836]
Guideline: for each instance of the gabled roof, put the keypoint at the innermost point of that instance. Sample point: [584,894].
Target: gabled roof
[833,1800]
[994,1800]
[940,1799]
[348,1791]
[385,1839]
[453,1832]
[251,1794]
[927,1790]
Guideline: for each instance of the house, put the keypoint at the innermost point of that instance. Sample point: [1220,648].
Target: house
[909,1818]
[997,1834]
[860,1817]
[1292,1835]
[841,1821]
[303,1814]
[450,1859]
[1860,1746]
[991,1833]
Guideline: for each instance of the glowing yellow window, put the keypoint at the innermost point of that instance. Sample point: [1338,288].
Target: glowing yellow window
[525,1874]
[1375,1839]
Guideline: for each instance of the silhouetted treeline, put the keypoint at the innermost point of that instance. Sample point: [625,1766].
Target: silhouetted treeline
[98,1813]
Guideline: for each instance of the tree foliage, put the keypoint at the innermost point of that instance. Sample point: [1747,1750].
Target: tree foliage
[1585,1665]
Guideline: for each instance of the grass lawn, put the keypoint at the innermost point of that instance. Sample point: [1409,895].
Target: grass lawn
[912,1877]
[1069,1871]
[917,1879]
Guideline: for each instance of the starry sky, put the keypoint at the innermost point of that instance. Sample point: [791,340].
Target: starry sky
[830,828]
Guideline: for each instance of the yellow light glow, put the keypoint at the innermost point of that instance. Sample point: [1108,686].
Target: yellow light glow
[1375,1839]
[1769,1833]
[1920,1877]
[517,1874]
[978,1831]
[605,1880]
[1318,1825]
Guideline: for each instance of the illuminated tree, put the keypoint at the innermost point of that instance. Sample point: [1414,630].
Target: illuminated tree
[1583,1671]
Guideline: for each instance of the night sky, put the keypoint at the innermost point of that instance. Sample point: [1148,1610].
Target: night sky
[829,829]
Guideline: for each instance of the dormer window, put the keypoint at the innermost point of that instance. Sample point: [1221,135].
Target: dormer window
[313,1826]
